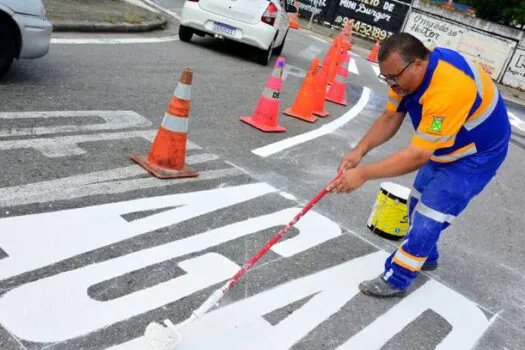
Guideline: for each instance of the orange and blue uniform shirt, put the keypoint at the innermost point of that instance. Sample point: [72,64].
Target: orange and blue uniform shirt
[457,111]
[459,114]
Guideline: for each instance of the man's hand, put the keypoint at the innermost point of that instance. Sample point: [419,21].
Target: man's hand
[350,160]
[349,181]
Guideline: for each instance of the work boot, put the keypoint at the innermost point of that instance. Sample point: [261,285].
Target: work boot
[429,267]
[380,288]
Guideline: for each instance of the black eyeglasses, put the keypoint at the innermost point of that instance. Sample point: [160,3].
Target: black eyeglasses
[392,79]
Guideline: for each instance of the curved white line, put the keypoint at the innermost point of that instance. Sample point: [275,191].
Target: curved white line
[516,122]
[275,147]
[114,40]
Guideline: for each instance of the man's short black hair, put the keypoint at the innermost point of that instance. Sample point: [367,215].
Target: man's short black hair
[406,45]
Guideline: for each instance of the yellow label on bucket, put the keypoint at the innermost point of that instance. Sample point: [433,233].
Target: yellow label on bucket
[389,215]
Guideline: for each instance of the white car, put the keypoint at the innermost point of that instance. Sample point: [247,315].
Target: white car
[25,31]
[259,23]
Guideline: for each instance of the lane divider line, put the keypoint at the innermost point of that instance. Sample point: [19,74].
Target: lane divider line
[276,147]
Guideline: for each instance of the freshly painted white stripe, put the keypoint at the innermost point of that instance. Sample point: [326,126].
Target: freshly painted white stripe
[137,40]
[157,6]
[516,122]
[102,182]
[352,68]
[375,67]
[310,52]
[316,38]
[323,130]
[63,146]
[113,120]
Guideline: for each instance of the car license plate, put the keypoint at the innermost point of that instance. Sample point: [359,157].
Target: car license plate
[224,28]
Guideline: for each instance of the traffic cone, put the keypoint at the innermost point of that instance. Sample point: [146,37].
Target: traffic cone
[334,61]
[320,92]
[267,110]
[167,156]
[345,62]
[303,106]
[337,91]
[373,54]
[293,19]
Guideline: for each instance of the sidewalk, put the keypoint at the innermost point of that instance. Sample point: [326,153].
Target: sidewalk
[103,16]
[362,47]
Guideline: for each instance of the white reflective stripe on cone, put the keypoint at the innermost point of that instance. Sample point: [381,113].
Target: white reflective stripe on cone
[183,91]
[271,93]
[175,124]
[434,214]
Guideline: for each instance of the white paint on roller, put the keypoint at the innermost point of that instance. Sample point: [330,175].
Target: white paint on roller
[112,120]
[352,67]
[516,122]
[323,130]
[116,40]
[85,229]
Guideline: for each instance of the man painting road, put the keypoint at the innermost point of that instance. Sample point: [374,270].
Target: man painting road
[461,138]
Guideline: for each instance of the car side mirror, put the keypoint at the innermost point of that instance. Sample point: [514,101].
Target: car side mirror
[291,9]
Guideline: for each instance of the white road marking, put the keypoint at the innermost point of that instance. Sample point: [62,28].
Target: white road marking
[318,39]
[310,52]
[136,40]
[352,67]
[69,145]
[157,6]
[276,147]
[101,182]
[113,120]
[516,122]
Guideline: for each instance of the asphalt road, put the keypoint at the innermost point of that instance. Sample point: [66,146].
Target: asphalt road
[92,248]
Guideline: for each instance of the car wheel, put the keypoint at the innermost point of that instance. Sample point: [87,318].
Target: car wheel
[265,55]
[185,33]
[279,49]
[7,48]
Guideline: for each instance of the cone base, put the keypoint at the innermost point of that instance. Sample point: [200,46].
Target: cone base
[310,119]
[294,25]
[322,114]
[162,173]
[341,102]
[250,121]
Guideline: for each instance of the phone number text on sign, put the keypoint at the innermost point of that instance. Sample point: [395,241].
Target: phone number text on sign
[368,30]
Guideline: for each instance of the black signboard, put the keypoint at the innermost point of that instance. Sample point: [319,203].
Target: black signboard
[376,19]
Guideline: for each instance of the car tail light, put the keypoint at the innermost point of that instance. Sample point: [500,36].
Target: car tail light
[270,14]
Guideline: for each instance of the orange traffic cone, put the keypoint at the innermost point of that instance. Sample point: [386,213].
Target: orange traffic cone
[168,153]
[303,106]
[334,61]
[267,111]
[337,91]
[293,19]
[320,92]
[345,62]
[373,54]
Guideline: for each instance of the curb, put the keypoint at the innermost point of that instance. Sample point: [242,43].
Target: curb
[88,26]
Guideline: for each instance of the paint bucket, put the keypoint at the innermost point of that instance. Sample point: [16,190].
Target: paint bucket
[389,217]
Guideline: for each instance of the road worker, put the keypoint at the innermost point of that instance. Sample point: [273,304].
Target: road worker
[461,138]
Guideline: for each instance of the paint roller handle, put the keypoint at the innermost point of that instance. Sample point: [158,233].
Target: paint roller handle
[277,237]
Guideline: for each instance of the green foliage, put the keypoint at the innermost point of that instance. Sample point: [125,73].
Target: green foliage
[509,12]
